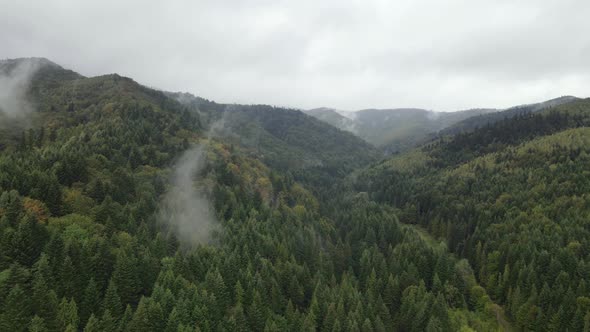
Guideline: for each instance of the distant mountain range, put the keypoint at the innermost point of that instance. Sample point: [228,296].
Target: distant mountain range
[286,223]
[399,129]
[393,130]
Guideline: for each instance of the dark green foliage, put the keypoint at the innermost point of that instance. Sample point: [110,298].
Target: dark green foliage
[295,249]
[395,130]
[512,198]
[93,324]
[16,311]
[312,151]
[37,325]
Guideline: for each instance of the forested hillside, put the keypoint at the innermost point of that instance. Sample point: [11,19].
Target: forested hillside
[395,130]
[512,198]
[83,245]
[287,140]
[482,120]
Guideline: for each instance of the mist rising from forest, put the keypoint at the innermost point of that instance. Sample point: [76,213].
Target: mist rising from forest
[186,208]
[14,85]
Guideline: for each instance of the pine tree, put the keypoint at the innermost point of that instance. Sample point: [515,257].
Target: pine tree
[587,322]
[67,315]
[330,318]
[379,325]
[440,311]
[124,323]
[55,249]
[141,320]
[67,274]
[112,301]
[126,279]
[93,324]
[40,292]
[577,323]
[434,325]
[27,241]
[37,325]
[45,301]
[557,323]
[367,326]
[90,301]
[156,316]
[238,318]
[337,327]
[108,322]
[256,315]
[16,313]
[172,322]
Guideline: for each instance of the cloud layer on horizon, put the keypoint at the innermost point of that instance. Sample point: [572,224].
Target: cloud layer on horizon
[348,54]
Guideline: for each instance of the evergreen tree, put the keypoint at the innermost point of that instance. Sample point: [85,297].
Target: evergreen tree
[37,325]
[126,278]
[16,312]
[108,322]
[112,301]
[93,324]
[125,321]
[67,315]
[90,301]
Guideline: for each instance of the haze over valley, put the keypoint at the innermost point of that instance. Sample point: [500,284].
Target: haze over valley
[167,167]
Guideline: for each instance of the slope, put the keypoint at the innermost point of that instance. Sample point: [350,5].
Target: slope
[82,245]
[333,118]
[394,130]
[512,198]
[288,140]
[489,118]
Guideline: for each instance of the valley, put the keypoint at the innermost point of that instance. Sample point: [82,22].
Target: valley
[125,208]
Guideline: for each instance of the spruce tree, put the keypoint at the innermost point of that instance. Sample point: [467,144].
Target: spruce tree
[112,301]
[37,324]
[16,313]
[90,301]
[93,324]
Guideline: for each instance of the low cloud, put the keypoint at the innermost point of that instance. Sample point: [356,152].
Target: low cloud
[346,54]
[15,79]
[185,208]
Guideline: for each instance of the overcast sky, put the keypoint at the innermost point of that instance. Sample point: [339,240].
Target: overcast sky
[441,55]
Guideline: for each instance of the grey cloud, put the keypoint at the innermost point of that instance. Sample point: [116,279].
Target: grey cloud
[14,83]
[348,54]
[185,209]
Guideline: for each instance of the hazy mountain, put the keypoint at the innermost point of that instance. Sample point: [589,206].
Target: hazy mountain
[487,118]
[393,130]
[335,118]
[127,208]
[503,196]
[287,138]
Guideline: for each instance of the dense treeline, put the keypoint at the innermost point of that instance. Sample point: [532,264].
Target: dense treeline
[81,247]
[313,152]
[475,122]
[513,199]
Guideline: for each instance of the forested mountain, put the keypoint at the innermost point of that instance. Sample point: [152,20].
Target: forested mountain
[286,139]
[398,130]
[86,165]
[333,117]
[512,198]
[394,130]
[489,118]
[124,208]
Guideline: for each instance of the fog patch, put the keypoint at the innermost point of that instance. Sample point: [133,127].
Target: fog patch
[15,80]
[432,115]
[186,208]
